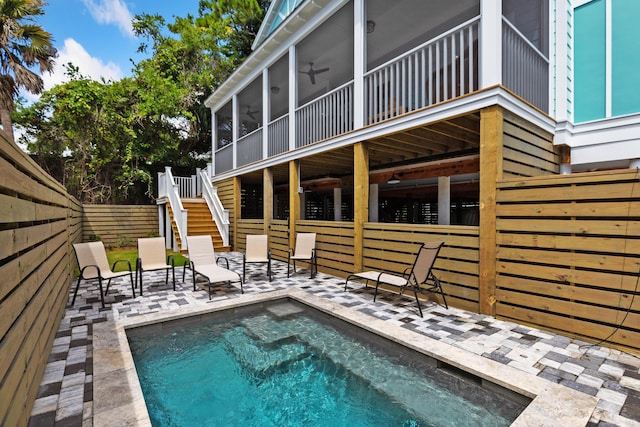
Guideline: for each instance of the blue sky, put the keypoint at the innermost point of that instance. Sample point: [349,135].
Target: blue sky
[96,35]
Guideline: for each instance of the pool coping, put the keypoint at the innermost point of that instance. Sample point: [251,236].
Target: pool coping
[118,398]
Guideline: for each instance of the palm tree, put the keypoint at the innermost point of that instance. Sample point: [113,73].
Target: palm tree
[22,45]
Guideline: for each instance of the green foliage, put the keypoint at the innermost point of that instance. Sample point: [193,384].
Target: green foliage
[123,241]
[105,141]
[131,255]
[23,47]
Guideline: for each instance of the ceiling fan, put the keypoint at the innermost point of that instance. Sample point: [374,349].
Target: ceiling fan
[311,72]
[250,113]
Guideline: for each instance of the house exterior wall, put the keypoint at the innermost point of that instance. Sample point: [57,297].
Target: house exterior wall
[606,37]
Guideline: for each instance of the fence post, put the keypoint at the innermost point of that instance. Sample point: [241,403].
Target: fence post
[360,200]
[491,152]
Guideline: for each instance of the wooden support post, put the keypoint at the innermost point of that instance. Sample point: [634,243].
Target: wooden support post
[360,201]
[491,167]
[237,209]
[294,200]
[267,199]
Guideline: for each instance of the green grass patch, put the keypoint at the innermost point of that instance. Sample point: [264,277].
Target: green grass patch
[132,255]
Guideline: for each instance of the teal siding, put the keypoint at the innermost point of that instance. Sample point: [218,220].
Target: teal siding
[590,58]
[625,52]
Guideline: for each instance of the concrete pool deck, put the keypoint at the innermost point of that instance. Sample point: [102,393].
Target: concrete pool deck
[71,392]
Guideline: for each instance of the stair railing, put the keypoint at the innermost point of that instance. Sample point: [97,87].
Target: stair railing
[218,212]
[167,185]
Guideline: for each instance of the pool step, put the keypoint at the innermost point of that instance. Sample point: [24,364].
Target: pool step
[419,395]
[257,357]
[399,383]
[267,330]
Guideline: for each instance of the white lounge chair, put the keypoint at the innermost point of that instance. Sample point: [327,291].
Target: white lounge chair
[305,250]
[415,276]
[203,262]
[93,264]
[152,255]
[257,252]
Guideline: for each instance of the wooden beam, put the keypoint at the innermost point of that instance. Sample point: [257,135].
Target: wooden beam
[267,198]
[237,208]
[360,200]
[458,167]
[491,134]
[294,200]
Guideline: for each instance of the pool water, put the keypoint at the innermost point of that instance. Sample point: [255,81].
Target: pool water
[284,366]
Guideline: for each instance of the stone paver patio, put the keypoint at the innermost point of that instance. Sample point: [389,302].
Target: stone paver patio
[65,396]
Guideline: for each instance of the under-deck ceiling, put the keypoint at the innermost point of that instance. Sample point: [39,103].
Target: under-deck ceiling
[458,136]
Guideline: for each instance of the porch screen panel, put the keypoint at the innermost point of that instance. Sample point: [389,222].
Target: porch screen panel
[625,46]
[590,58]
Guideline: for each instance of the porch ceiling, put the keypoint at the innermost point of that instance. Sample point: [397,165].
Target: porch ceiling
[457,136]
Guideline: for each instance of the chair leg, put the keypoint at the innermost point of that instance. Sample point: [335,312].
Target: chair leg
[415,293]
[106,291]
[140,283]
[73,301]
[439,287]
[133,287]
[166,278]
[269,269]
[100,287]
[244,269]
[173,273]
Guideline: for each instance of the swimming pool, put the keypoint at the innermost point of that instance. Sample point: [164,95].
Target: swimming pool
[118,399]
[284,364]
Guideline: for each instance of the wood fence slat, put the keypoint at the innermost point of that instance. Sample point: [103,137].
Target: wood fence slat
[571,226]
[572,327]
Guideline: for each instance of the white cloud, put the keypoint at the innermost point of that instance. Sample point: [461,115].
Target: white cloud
[88,66]
[111,12]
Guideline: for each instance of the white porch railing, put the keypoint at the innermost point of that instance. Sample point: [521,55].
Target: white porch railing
[167,188]
[278,131]
[325,117]
[440,69]
[250,147]
[218,212]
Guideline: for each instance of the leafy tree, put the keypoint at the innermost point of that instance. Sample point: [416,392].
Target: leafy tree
[83,131]
[22,45]
[106,140]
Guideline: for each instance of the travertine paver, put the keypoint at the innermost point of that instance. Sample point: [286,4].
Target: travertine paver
[66,392]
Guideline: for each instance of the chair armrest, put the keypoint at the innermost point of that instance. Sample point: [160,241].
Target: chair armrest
[172,259]
[225,260]
[92,266]
[113,267]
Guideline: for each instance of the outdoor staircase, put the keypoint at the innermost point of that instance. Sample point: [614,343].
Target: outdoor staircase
[199,223]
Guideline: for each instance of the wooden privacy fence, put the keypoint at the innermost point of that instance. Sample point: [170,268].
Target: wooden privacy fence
[117,225]
[568,254]
[334,241]
[38,223]
[278,241]
[393,247]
